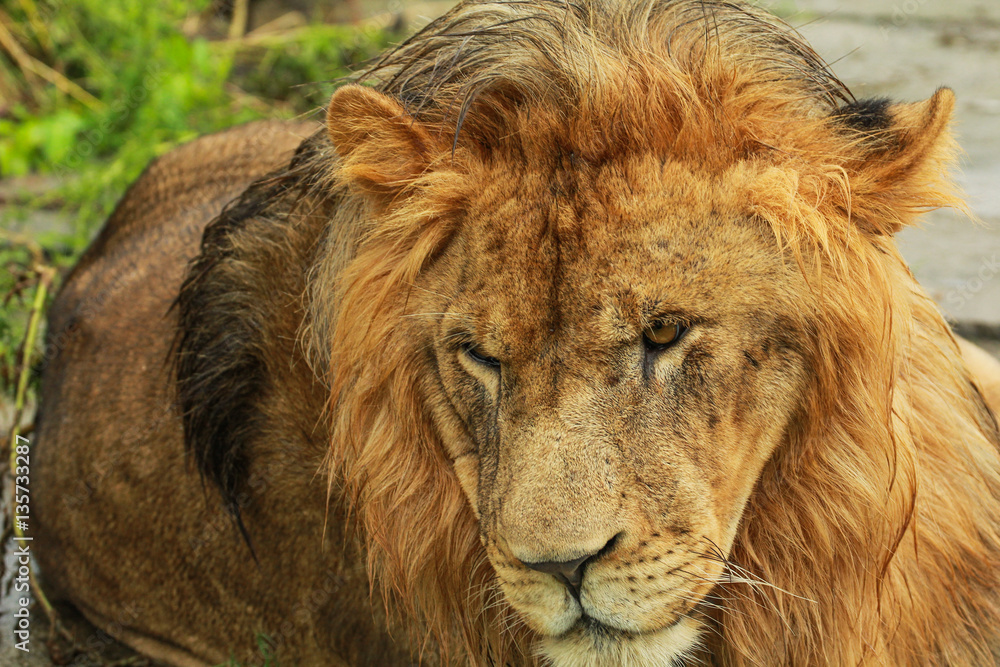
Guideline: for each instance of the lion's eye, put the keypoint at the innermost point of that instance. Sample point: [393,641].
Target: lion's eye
[473,353]
[660,335]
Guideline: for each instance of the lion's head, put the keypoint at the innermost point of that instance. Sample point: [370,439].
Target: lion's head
[623,336]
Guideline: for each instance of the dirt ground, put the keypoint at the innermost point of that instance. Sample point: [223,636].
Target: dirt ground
[904,49]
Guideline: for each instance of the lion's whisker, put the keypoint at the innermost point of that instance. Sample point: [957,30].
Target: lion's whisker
[455,315]
[429,291]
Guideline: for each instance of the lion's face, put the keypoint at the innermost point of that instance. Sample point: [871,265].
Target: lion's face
[619,351]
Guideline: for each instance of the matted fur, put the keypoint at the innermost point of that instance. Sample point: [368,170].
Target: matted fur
[891,468]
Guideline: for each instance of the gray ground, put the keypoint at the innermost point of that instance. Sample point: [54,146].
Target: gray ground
[903,49]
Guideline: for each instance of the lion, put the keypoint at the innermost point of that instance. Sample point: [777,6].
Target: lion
[578,335]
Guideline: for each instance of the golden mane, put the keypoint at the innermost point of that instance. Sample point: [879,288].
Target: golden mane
[886,444]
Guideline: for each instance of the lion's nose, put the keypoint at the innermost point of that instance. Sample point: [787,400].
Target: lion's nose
[570,572]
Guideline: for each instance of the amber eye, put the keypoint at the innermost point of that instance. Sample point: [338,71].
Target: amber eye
[473,353]
[660,335]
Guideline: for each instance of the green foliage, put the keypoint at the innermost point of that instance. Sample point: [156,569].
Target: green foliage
[265,71]
[128,81]
[155,87]
[13,281]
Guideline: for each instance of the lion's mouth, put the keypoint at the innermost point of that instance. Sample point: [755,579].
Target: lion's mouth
[592,626]
[595,643]
[598,629]
[643,603]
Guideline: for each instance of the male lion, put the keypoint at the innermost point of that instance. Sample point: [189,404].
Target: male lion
[590,315]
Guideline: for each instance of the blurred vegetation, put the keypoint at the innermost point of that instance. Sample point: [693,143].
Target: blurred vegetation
[92,90]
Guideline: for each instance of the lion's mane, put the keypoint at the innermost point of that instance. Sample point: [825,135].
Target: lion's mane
[869,480]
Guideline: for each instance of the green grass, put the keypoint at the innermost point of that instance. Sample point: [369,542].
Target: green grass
[98,88]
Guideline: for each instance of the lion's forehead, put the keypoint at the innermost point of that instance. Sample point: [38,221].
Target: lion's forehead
[592,264]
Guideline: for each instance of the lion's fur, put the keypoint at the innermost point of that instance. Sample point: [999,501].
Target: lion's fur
[871,534]
[725,90]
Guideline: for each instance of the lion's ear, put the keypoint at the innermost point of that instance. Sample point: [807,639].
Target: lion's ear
[382,148]
[902,156]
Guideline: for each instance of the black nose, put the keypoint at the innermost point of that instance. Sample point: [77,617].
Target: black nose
[570,571]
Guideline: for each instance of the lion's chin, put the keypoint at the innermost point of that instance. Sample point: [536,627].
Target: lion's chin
[592,645]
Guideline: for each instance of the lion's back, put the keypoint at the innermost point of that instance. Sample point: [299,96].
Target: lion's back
[119,293]
[107,432]
[134,267]
[164,212]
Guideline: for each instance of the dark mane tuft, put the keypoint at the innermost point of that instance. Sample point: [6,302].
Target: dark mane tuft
[867,115]
[219,362]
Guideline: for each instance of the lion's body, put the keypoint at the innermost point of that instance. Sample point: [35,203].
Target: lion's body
[808,474]
[160,564]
